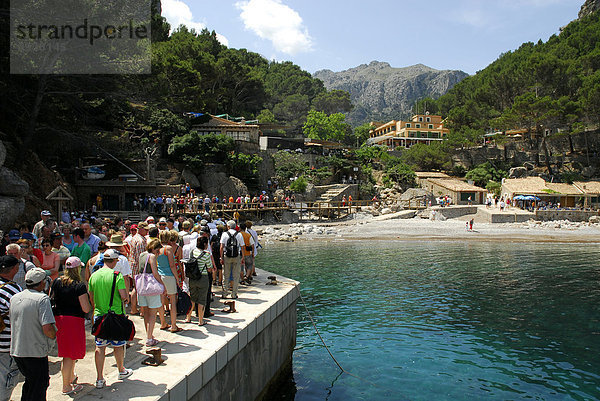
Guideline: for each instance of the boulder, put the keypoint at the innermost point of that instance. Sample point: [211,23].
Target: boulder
[11,184]
[289,217]
[417,195]
[594,219]
[189,177]
[10,209]
[517,172]
[386,210]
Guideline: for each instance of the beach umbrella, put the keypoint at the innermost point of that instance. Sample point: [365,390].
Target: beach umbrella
[520,197]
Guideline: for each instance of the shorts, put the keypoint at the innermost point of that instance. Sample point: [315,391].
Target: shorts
[149,301]
[170,284]
[248,262]
[100,342]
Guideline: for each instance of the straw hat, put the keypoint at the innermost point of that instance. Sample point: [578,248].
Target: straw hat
[115,240]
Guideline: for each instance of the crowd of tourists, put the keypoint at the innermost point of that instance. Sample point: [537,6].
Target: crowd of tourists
[60,277]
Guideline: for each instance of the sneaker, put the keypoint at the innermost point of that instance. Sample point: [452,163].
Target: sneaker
[100,383]
[125,374]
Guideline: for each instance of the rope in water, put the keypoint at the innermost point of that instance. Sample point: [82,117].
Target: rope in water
[323,341]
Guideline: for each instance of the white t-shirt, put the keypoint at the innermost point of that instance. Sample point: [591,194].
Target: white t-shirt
[238,236]
[123,266]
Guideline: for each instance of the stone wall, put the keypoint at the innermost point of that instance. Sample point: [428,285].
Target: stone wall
[455,211]
[571,215]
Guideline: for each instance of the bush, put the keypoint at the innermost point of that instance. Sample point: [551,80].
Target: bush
[299,185]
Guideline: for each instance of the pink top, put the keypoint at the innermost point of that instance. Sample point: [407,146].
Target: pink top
[48,263]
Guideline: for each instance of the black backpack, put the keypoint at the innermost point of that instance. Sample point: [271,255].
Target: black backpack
[192,270]
[231,247]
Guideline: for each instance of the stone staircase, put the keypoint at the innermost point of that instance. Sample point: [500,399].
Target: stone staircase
[333,193]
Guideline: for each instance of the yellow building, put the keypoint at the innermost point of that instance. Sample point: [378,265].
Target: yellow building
[422,128]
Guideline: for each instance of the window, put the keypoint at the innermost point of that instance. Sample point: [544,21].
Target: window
[407,125]
[430,126]
[428,119]
[421,119]
[417,125]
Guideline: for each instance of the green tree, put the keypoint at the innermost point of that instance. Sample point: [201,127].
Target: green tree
[195,149]
[335,101]
[427,157]
[299,185]
[288,165]
[244,167]
[327,127]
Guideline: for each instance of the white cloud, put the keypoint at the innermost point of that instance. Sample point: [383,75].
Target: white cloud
[274,21]
[178,13]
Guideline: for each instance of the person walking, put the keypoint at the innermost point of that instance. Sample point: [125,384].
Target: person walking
[32,334]
[9,372]
[70,304]
[170,278]
[138,246]
[100,286]
[150,304]
[200,286]
[231,243]
[51,261]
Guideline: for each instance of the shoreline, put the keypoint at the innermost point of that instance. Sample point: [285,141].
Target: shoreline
[417,229]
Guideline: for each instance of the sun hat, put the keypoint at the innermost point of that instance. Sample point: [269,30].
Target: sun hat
[115,240]
[149,218]
[72,262]
[143,225]
[133,227]
[28,236]
[46,213]
[162,220]
[14,234]
[35,276]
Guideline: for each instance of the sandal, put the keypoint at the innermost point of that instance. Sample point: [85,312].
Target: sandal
[204,323]
[152,342]
[177,330]
[167,327]
[75,379]
[74,389]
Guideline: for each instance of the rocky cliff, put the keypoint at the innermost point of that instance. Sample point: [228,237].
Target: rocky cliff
[589,7]
[381,92]
[12,193]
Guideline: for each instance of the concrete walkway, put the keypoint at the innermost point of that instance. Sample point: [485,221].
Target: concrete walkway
[192,357]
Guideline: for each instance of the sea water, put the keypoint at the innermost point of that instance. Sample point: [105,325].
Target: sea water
[435,320]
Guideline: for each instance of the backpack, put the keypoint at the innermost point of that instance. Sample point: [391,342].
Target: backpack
[231,247]
[192,269]
[99,263]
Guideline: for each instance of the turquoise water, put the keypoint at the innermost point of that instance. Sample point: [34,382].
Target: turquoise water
[445,320]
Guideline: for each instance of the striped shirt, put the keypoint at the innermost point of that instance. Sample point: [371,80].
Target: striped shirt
[7,290]
[138,246]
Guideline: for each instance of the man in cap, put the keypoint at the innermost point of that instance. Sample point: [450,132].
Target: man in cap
[232,262]
[100,286]
[14,235]
[32,334]
[37,229]
[9,371]
[123,266]
[59,248]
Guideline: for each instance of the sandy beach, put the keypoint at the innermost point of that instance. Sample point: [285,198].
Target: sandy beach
[390,227]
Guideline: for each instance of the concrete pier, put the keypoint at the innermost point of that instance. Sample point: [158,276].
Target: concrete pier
[234,357]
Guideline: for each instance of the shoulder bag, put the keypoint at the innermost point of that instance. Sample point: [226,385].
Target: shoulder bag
[113,326]
[146,284]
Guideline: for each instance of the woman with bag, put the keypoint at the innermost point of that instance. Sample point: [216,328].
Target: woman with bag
[199,279]
[150,287]
[70,303]
[168,273]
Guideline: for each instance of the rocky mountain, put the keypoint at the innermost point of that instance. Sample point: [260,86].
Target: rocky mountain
[589,7]
[381,92]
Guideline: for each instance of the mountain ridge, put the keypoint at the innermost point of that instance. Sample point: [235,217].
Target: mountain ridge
[380,91]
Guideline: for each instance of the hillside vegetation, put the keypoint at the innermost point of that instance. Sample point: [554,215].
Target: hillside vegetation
[543,85]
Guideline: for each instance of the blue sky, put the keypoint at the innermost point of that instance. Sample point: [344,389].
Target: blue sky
[331,34]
